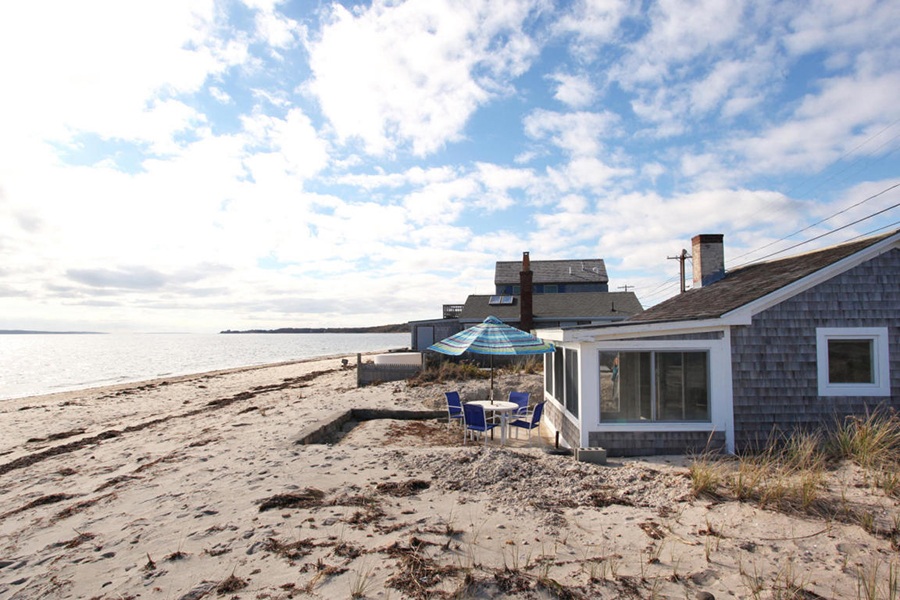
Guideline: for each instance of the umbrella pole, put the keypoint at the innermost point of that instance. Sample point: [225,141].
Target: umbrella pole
[492,378]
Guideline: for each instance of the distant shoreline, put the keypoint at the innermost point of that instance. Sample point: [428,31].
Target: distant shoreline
[397,328]
[31,332]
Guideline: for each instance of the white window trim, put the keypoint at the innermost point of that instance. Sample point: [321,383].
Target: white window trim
[881,361]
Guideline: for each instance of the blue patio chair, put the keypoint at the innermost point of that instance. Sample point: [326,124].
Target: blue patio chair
[454,408]
[531,421]
[475,421]
[520,398]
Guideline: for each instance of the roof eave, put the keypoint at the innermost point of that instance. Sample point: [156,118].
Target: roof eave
[623,329]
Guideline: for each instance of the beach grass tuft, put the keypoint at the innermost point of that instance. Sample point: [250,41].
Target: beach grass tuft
[448,371]
[789,473]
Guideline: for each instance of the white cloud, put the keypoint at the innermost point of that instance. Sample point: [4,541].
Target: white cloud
[275,29]
[574,91]
[414,72]
[97,65]
[220,94]
[833,25]
[578,134]
[680,32]
[292,141]
[439,202]
[502,178]
[706,171]
[595,21]
[841,118]
[585,173]
[412,176]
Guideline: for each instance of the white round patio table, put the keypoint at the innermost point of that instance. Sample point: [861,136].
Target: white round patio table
[500,407]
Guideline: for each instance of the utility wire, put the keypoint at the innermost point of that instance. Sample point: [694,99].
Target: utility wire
[809,180]
[882,228]
[858,160]
[827,233]
[872,197]
[845,155]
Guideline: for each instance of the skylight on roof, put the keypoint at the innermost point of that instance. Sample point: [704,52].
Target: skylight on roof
[500,300]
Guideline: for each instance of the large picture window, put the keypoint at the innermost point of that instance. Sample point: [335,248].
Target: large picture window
[654,386]
[853,361]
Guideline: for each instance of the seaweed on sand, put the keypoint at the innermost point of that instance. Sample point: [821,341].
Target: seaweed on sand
[308,498]
[418,572]
[400,489]
[41,501]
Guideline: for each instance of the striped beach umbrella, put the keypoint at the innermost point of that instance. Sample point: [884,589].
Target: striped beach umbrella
[492,337]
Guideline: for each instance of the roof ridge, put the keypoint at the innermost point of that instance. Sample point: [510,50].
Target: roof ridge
[866,241]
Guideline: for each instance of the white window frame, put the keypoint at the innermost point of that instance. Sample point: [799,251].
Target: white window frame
[880,361]
[654,382]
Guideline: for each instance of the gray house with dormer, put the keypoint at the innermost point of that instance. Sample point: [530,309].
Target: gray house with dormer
[773,347]
[535,294]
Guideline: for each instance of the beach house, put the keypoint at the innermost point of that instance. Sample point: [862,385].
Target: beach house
[535,294]
[775,346]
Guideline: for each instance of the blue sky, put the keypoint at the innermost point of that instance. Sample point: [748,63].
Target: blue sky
[185,165]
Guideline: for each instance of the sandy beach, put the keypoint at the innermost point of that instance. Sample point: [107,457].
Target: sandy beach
[195,487]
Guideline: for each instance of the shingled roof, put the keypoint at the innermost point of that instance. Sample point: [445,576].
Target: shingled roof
[591,270]
[572,306]
[746,284]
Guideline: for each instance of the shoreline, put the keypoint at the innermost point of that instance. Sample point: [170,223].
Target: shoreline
[115,387]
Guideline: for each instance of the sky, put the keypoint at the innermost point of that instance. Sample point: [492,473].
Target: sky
[200,165]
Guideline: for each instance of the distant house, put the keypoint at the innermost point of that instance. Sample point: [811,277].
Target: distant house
[553,276]
[531,294]
[783,345]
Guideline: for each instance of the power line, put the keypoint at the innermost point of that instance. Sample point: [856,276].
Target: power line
[661,289]
[882,228]
[827,233]
[845,155]
[872,197]
[858,160]
[803,184]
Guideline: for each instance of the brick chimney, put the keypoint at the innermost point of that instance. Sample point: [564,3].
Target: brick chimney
[708,253]
[526,304]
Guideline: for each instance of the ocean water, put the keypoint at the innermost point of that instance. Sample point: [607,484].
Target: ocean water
[32,364]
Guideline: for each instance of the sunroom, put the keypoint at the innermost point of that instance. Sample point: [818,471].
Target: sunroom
[638,392]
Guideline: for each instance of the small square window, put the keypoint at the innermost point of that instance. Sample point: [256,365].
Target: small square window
[853,361]
[850,361]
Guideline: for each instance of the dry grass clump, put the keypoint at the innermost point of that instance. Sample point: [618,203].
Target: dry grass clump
[873,443]
[448,371]
[790,472]
[529,366]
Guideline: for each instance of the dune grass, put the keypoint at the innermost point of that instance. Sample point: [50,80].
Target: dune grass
[788,474]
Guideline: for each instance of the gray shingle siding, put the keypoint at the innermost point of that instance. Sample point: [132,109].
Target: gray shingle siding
[774,359]
[646,443]
[568,431]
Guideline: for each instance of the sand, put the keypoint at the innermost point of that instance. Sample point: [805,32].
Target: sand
[194,487]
